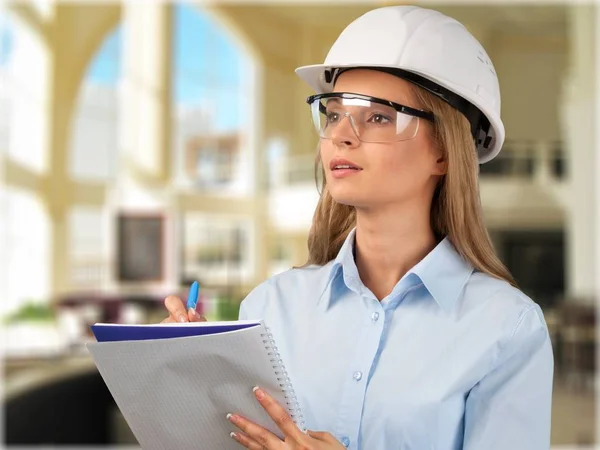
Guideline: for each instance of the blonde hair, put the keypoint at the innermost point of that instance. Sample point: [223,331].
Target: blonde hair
[455,210]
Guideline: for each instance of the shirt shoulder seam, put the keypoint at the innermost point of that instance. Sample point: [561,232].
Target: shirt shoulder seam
[522,316]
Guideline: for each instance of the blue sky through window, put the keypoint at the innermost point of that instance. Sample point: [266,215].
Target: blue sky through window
[105,68]
[6,39]
[206,65]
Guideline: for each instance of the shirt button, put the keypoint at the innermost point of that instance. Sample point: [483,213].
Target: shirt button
[357,376]
[345,441]
[375,316]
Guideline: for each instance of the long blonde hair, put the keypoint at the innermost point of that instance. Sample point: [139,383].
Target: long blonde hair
[455,210]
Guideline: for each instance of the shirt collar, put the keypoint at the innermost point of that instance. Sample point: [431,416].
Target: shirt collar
[345,254]
[443,272]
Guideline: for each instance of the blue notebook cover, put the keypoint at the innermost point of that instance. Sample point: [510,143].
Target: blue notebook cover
[120,332]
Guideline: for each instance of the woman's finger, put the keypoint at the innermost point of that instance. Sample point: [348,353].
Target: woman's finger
[176,309]
[279,415]
[245,441]
[256,433]
[168,320]
[194,316]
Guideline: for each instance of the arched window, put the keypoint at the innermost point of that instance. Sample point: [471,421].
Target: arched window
[24,69]
[94,157]
[94,143]
[213,108]
[212,131]
[213,90]
[24,225]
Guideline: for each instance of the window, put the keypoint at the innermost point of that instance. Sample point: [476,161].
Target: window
[25,256]
[88,247]
[6,44]
[213,88]
[24,70]
[217,251]
[95,139]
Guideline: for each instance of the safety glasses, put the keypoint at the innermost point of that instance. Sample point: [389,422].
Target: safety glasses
[372,119]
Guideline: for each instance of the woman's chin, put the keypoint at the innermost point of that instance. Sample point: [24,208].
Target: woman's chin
[347,198]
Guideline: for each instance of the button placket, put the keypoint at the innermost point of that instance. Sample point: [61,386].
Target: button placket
[353,397]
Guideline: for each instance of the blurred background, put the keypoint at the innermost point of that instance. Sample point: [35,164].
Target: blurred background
[145,145]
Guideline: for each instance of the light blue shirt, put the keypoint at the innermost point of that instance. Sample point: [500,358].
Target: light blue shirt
[450,359]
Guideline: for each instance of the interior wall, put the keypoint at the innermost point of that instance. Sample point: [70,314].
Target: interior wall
[531,73]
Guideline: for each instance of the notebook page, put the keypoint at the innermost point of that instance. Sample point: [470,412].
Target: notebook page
[175,393]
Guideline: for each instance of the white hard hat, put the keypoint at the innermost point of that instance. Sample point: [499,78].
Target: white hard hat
[429,49]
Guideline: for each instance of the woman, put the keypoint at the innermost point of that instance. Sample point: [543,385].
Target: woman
[404,330]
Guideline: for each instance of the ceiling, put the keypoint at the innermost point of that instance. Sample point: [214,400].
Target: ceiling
[539,19]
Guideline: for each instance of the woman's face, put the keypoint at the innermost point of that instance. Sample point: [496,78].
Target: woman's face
[390,173]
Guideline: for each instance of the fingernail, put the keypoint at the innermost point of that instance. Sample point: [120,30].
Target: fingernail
[258,392]
[233,435]
[182,318]
[228,416]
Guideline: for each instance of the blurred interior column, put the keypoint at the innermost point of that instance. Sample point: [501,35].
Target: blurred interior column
[145,130]
[57,192]
[288,129]
[580,122]
[146,92]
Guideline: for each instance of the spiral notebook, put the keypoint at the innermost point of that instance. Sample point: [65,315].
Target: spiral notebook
[175,383]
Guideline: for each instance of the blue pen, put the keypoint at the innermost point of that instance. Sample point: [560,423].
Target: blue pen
[193,296]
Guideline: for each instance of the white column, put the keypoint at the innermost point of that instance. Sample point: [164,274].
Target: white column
[143,185]
[580,122]
[145,108]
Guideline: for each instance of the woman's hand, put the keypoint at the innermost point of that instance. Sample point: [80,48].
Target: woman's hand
[255,437]
[177,312]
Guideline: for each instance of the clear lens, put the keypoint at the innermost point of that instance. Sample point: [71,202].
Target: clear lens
[370,121]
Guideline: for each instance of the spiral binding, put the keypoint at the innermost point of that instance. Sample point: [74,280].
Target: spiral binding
[283,378]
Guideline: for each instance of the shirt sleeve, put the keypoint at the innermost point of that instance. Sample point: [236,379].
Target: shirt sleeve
[243,313]
[510,408]
[252,307]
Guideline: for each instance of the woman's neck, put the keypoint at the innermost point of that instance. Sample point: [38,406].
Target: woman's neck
[389,244]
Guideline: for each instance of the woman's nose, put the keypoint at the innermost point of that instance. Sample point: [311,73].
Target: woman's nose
[345,133]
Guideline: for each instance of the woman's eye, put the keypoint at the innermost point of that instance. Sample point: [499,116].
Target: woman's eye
[380,119]
[332,117]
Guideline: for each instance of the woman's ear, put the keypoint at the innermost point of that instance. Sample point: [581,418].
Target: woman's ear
[440,159]
[441,164]
[438,154]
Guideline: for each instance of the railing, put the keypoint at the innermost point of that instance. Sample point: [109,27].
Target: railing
[519,159]
[540,160]
[88,272]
